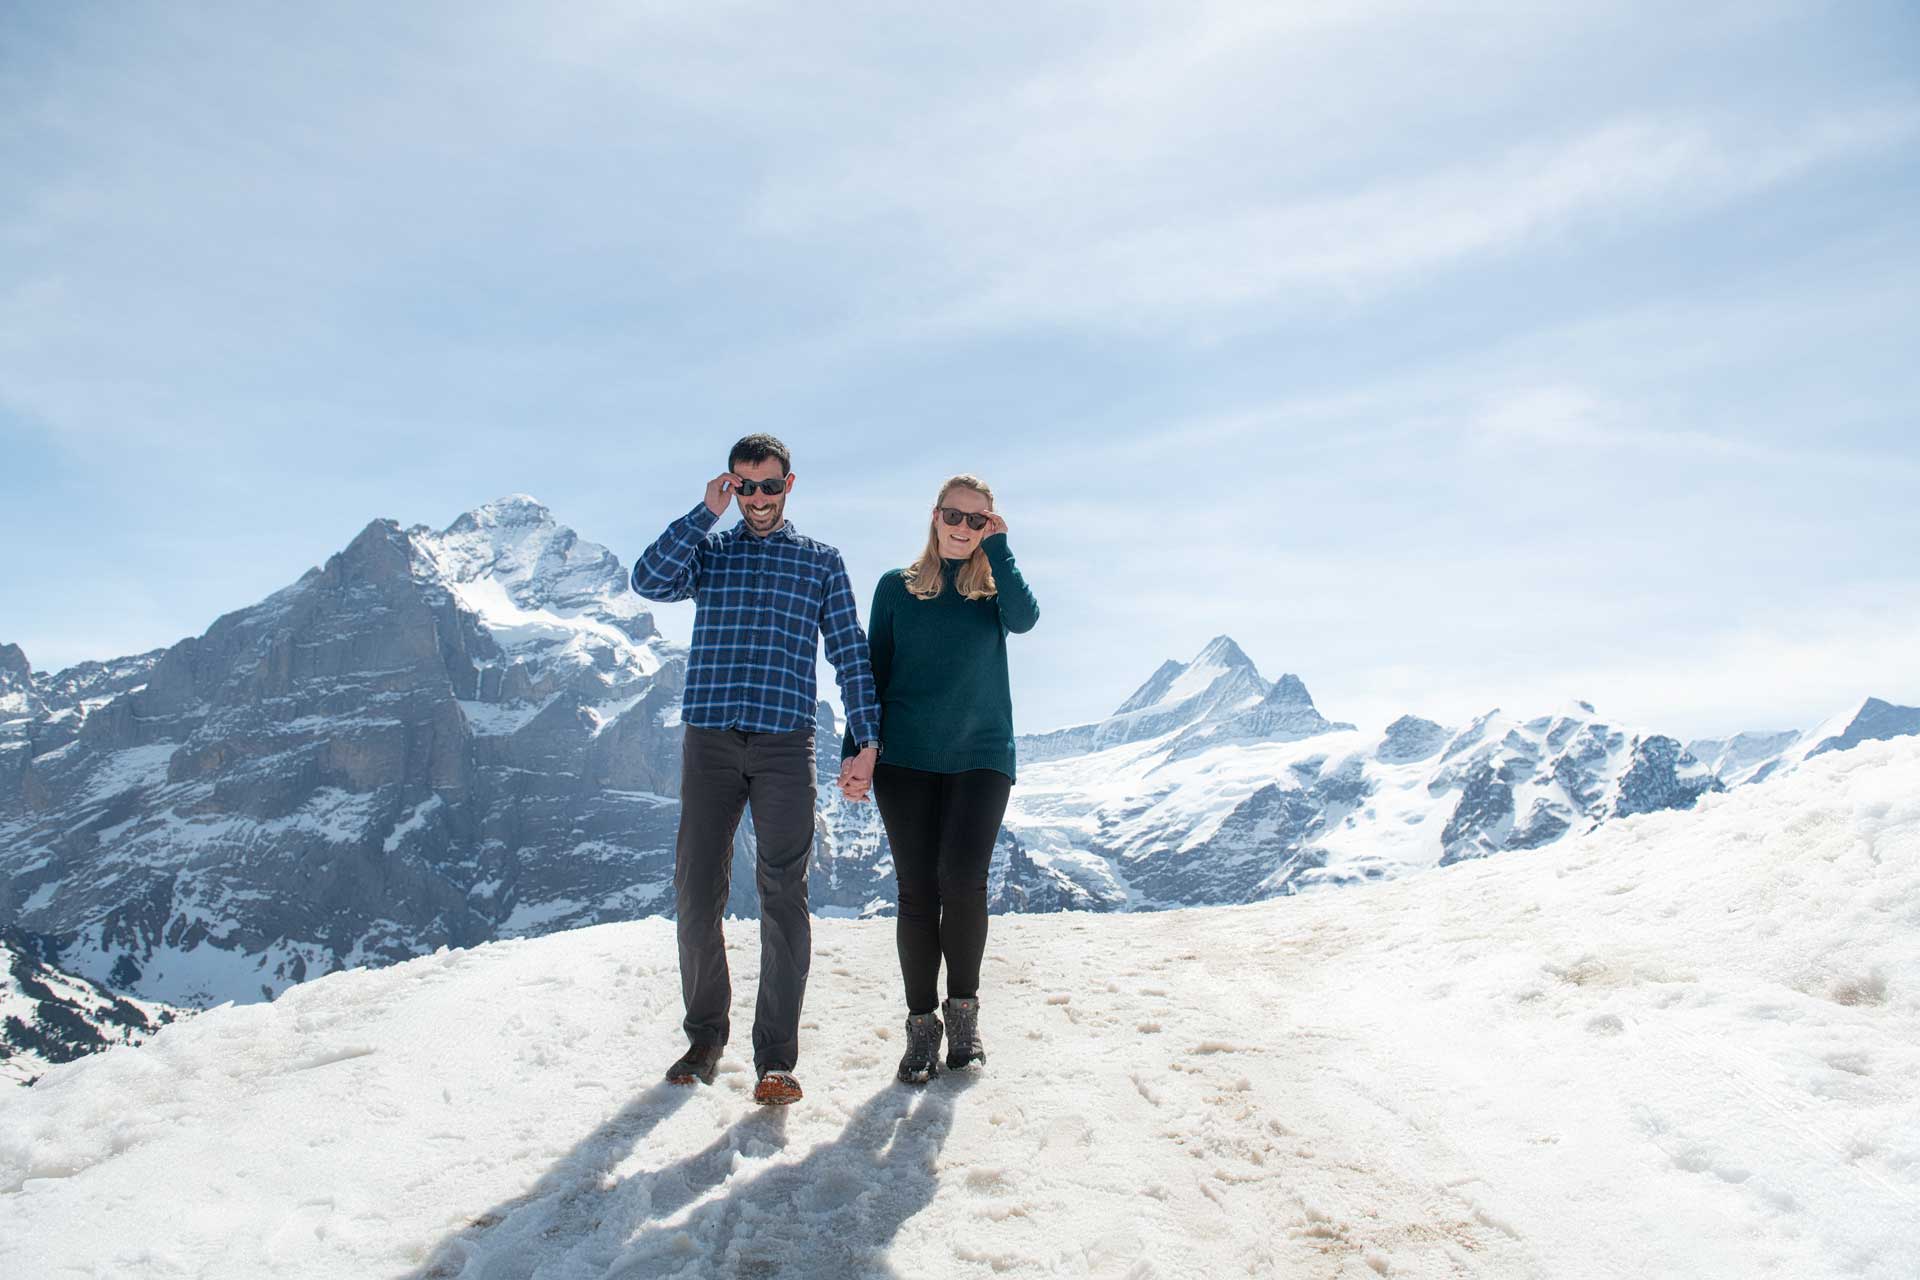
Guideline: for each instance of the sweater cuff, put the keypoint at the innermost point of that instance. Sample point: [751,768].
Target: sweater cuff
[701,516]
[995,545]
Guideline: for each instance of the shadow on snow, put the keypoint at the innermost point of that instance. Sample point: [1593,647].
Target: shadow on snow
[833,1213]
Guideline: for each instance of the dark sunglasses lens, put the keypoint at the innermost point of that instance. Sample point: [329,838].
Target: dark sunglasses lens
[773,488]
[951,516]
[976,522]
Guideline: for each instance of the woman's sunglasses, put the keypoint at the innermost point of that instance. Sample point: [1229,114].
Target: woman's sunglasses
[772,488]
[974,519]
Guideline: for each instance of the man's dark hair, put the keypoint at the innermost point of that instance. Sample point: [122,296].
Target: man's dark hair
[758,448]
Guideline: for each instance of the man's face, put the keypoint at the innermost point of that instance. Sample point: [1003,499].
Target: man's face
[763,512]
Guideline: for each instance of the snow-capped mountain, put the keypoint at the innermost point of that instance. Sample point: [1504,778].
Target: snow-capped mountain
[437,738]
[1683,1045]
[48,1017]
[1755,757]
[444,737]
[1253,793]
[1220,694]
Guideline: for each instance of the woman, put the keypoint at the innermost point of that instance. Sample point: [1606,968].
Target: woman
[938,635]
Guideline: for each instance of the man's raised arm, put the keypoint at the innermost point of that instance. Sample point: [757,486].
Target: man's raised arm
[667,570]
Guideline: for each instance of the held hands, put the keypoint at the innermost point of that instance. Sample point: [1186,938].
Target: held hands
[856,775]
[720,493]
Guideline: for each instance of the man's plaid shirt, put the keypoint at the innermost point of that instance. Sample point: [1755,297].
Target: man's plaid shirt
[762,606]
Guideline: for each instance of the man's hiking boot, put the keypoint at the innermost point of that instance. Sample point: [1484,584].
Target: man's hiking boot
[697,1064]
[922,1057]
[776,1089]
[963,1034]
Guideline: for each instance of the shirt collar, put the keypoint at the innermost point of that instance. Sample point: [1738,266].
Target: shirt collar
[785,533]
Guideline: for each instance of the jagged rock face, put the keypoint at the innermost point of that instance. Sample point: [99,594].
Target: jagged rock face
[1483,818]
[1410,739]
[1662,776]
[1254,853]
[1542,778]
[852,869]
[1017,883]
[48,1017]
[436,738]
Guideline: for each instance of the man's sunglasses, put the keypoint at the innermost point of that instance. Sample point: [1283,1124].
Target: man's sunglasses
[974,519]
[772,488]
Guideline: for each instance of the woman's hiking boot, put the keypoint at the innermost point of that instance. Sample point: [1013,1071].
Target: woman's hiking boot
[963,1034]
[922,1057]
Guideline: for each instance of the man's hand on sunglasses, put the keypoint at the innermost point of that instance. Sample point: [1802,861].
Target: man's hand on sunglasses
[720,493]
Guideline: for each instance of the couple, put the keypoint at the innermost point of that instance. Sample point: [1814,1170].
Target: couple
[929,737]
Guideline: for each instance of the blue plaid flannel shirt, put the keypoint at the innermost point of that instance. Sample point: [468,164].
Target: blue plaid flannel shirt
[762,606]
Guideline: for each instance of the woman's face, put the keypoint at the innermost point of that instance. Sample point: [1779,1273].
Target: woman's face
[957,541]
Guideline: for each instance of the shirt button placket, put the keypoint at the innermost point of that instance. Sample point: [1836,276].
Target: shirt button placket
[758,633]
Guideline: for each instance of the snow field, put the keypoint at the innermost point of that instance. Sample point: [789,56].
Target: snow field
[1687,1044]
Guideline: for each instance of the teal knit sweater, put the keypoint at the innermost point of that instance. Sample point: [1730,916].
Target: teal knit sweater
[941,668]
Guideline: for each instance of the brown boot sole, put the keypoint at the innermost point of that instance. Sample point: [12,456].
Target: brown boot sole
[776,1089]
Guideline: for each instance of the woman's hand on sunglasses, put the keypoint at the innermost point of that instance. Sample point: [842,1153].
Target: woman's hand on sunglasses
[995,524]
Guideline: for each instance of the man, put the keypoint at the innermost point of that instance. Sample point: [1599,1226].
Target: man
[765,596]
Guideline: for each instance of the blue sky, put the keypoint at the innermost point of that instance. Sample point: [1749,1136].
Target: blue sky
[1448,356]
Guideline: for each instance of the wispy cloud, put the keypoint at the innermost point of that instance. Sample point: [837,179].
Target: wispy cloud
[1305,252]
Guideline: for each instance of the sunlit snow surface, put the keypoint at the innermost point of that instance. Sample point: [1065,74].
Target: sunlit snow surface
[1683,1045]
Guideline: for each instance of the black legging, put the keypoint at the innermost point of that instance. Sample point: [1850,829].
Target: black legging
[942,827]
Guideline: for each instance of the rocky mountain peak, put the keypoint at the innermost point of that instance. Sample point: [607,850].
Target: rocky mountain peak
[1176,682]
[380,553]
[13,661]
[1221,651]
[1284,711]
[1874,719]
[516,511]
[1289,691]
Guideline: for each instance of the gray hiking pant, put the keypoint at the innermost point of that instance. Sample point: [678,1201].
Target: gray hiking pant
[721,771]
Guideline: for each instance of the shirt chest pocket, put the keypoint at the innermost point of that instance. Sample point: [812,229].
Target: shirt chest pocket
[792,595]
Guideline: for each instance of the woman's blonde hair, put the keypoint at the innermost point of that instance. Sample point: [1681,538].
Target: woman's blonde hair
[975,579]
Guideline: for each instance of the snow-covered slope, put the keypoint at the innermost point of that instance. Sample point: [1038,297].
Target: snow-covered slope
[49,1017]
[1683,1045]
